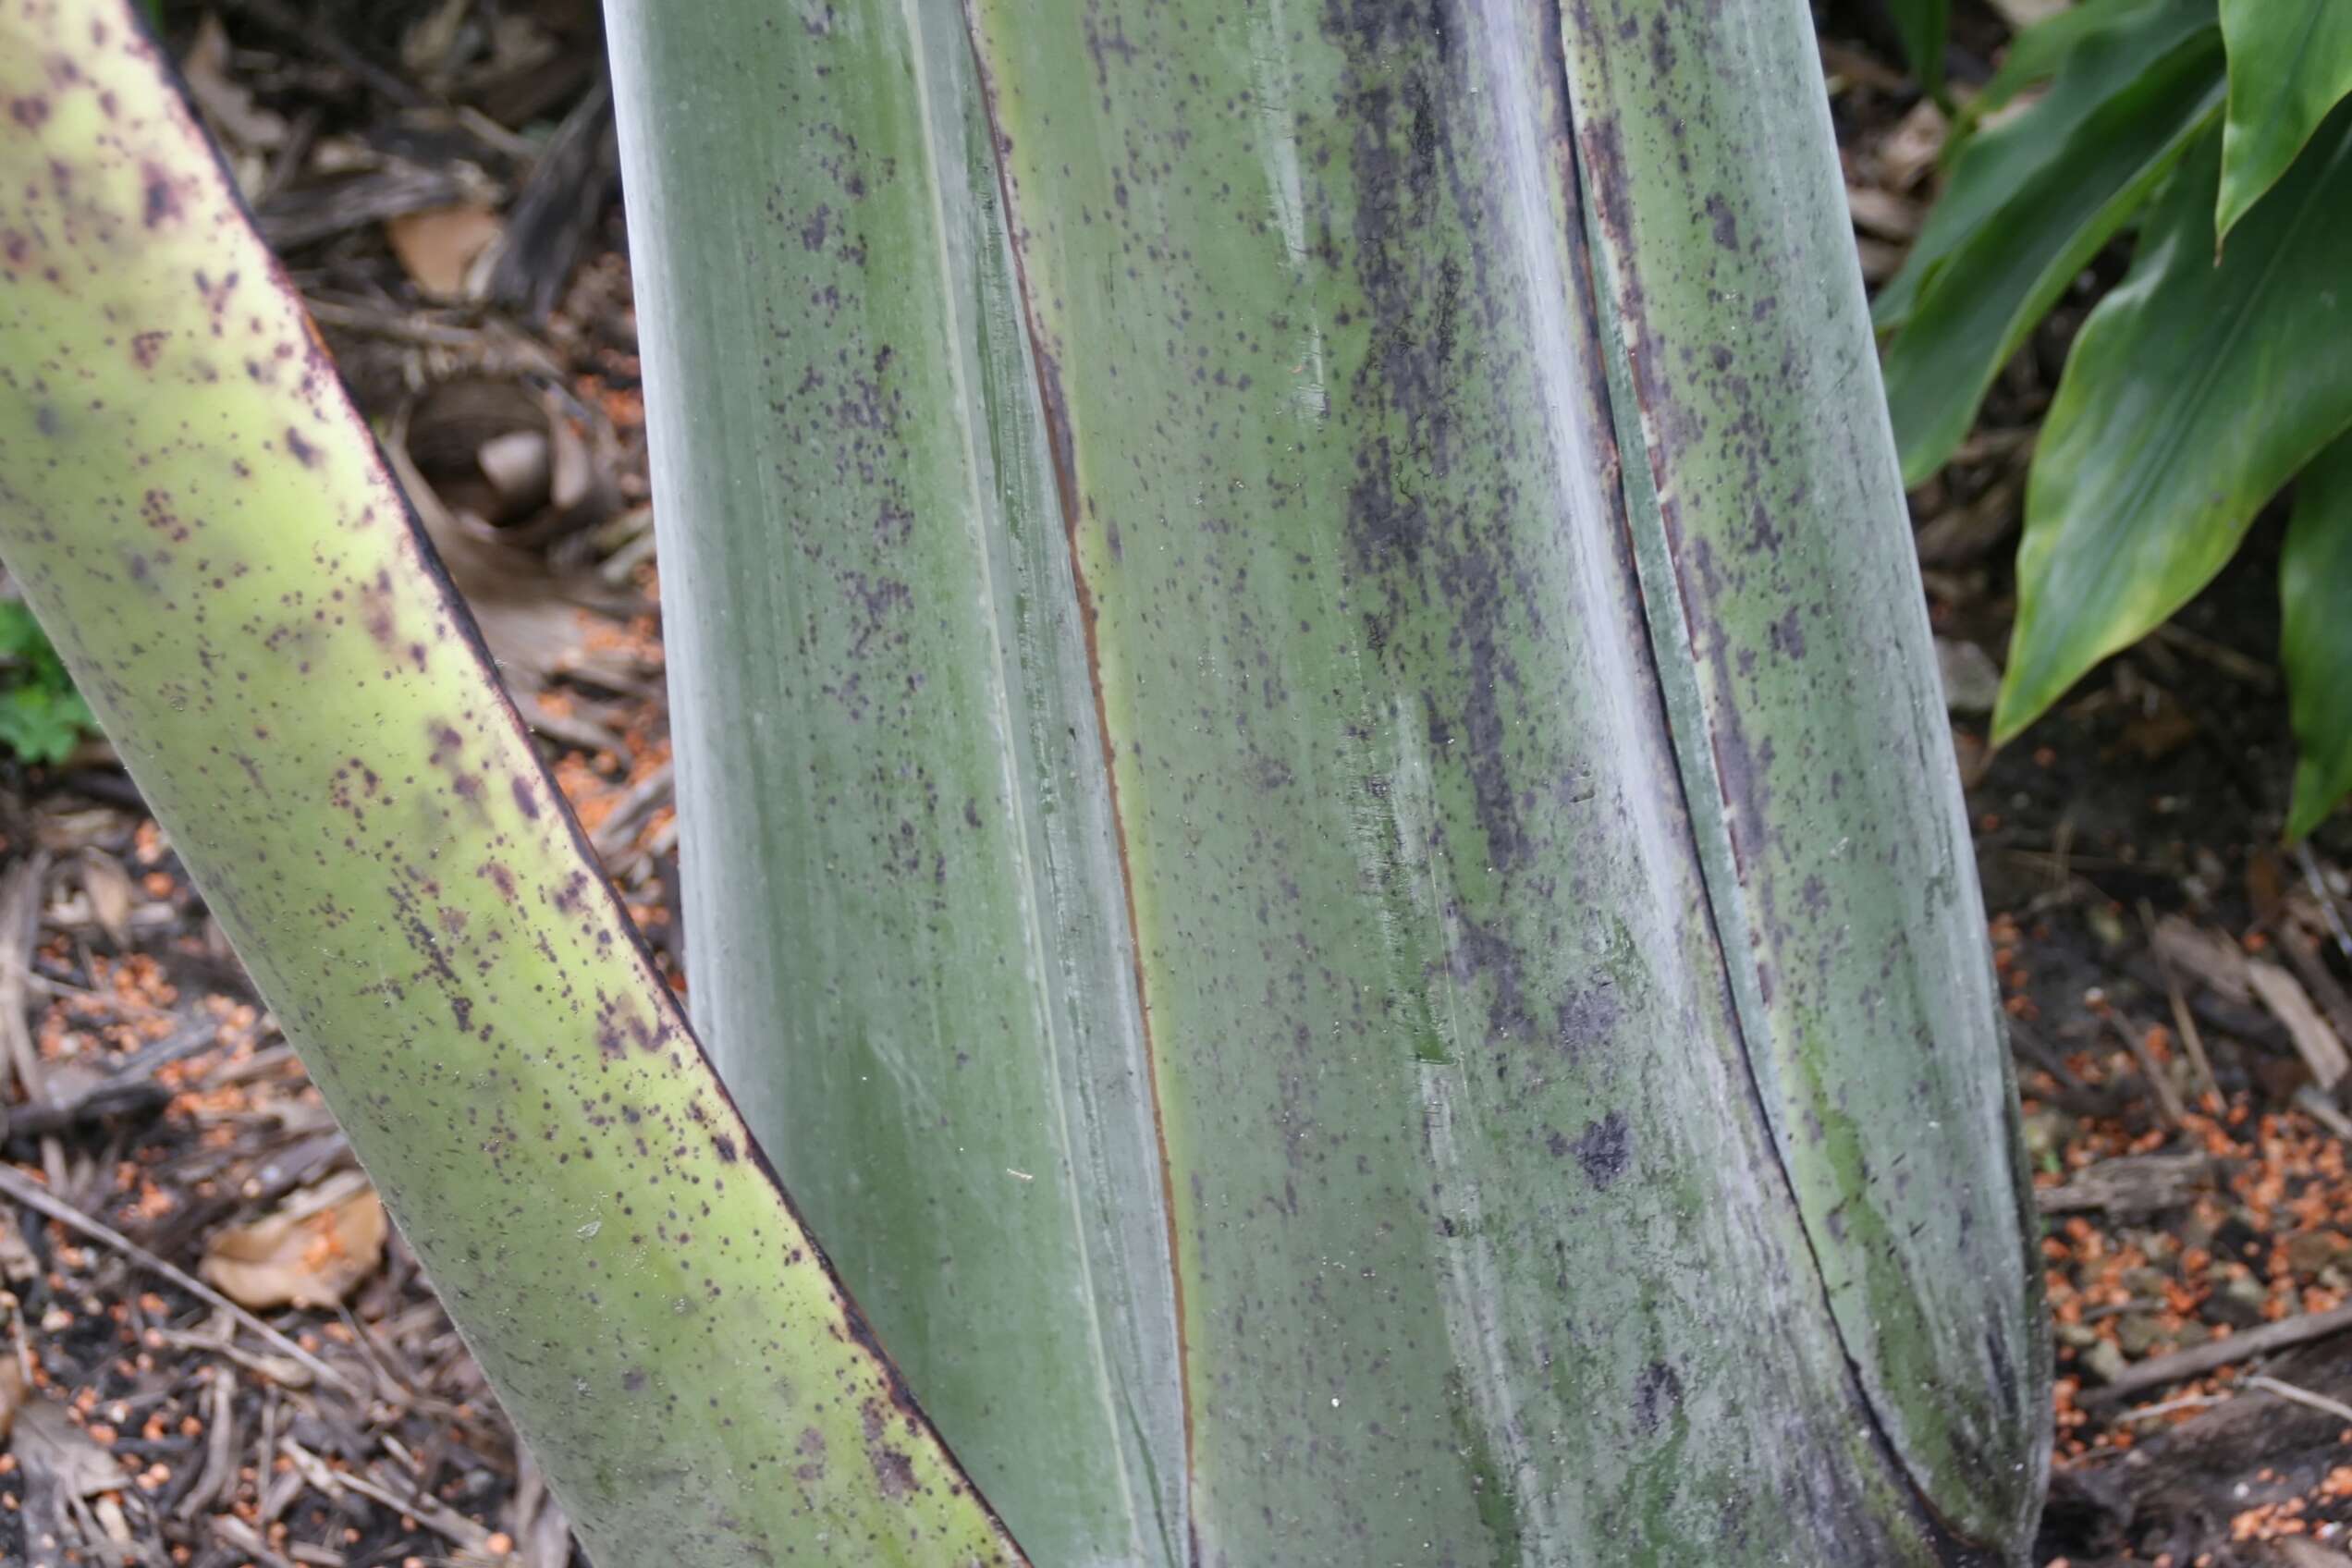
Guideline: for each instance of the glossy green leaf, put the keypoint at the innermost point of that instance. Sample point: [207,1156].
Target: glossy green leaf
[2100,50]
[1923,24]
[2194,392]
[2290,62]
[2035,54]
[2030,202]
[200,518]
[1249,725]
[43,719]
[2315,634]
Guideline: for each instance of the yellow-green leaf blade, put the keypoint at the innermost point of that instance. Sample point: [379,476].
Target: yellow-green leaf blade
[2194,392]
[200,519]
[2290,62]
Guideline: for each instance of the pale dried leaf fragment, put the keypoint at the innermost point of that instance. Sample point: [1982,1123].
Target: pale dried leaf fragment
[2211,959]
[107,887]
[1881,212]
[441,248]
[1912,150]
[2292,1005]
[2023,14]
[226,101]
[16,1262]
[517,464]
[58,1455]
[309,1252]
[12,1392]
[1971,680]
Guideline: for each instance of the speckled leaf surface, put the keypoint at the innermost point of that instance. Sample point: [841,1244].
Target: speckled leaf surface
[908,946]
[1511,1223]
[200,518]
[1790,635]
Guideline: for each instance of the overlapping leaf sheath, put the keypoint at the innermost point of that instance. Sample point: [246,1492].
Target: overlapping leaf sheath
[909,949]
[1790,635]
[201,520]
[1551,1173]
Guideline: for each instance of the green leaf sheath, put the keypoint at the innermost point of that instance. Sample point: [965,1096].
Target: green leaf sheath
[2290,63]
[1262,526]
[1790,632]
[201,522]
[2315,634]
[2031,203]
[2194,391]
[908,942]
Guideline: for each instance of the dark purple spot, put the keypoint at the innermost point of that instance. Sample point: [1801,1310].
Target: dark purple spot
[162,196]
[1657,1393]
[1606,1148]
[1788,636]
[1726,229]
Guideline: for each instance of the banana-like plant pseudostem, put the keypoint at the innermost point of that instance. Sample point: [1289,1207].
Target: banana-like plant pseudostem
[1319,834]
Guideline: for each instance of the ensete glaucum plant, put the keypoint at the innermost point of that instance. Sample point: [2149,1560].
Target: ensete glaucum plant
[1319,832]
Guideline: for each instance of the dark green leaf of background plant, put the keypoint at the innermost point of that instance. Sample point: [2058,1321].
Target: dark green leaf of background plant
[2096,52]
[1923,24]
[43,719]
[1986,294]
[2290,62]
[2035,52]
[2315,635]
[2195,391]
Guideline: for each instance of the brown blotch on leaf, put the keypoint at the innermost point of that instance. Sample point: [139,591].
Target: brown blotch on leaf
[893,1472]
[30,111]
[304,453]
[811,1448]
